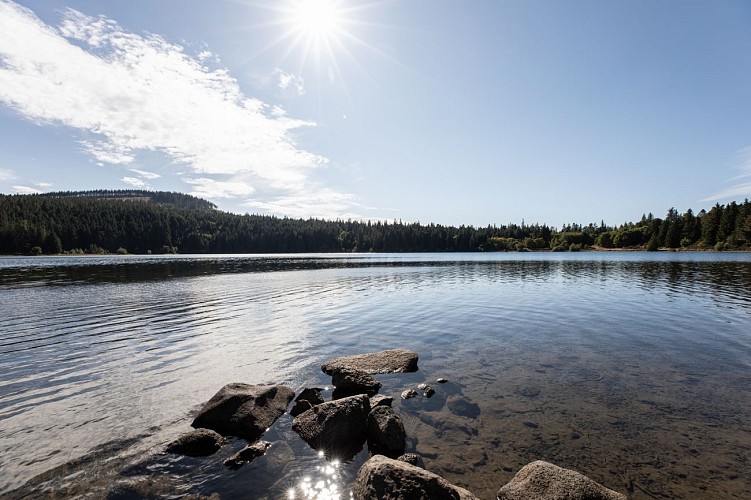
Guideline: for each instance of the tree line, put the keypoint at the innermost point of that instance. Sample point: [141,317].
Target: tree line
[143,222]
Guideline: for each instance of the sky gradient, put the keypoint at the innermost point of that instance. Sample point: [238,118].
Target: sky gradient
[473,112]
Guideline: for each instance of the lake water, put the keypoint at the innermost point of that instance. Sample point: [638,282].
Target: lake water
[633,368]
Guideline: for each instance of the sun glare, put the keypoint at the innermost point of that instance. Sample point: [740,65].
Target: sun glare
[317,18]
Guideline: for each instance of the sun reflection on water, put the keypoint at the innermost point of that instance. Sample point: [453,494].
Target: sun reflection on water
[322,485]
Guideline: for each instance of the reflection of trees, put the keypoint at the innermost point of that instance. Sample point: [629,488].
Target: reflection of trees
[730,279]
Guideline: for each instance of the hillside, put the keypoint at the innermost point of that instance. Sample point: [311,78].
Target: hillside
[141,222]
[164,198]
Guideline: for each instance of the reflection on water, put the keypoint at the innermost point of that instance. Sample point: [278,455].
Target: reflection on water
[324,485]
[633,368]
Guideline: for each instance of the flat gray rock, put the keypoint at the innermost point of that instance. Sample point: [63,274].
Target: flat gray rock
[338,428]
[387,479]
[244,410]
[544,481]
[197,443]
[390,361]
[351,380]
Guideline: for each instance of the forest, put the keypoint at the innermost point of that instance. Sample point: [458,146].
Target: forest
[143,222]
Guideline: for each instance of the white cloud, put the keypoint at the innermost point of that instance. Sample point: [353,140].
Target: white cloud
[7,174]
[128,93]
[25,190]
[288,82]
[321,204]
[145,174]
[43,185]
[210,188]
[135,182]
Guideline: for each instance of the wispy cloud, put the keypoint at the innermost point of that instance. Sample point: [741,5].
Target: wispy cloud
[738,190]
[210,188]
[25,190]
[145,174]
[128,93]
[322,204]
[135,182]
[289,83]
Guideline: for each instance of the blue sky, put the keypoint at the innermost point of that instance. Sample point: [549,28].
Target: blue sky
[472,112]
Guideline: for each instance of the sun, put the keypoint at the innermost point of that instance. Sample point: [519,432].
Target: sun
[317,19]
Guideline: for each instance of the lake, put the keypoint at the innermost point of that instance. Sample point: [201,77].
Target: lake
[632,368]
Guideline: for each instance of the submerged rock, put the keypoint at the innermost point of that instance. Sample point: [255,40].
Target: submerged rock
[306,400]
[244,410]
[386,433]
[384,478]
[353,381]
[464,408]
[338,428]
[247,454]
[544,481]
[389,361]
[197,443]
[441,380]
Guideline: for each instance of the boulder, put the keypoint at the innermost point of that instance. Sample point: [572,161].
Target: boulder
[353,381]
[390,361]
[197,443]
[247,454]
[306,400]
[380,400]
[338,428]
[385,432]
[544,481]
[244,410]
[384,478]
[412,459]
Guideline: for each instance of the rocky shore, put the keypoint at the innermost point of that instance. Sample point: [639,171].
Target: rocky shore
[357,415]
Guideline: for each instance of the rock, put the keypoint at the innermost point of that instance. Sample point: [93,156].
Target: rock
[390,361]
[544,481]
[427,391]
[300,407]
[307,399]
[464,408]
[338,428]
[386,432]
[441,380]
[354,381]
[380,400]
[247,454]
[197,443]
[244,410]
[384,478]
[412,459]
[409,393]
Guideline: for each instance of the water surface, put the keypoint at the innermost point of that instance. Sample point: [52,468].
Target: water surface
[633,368]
